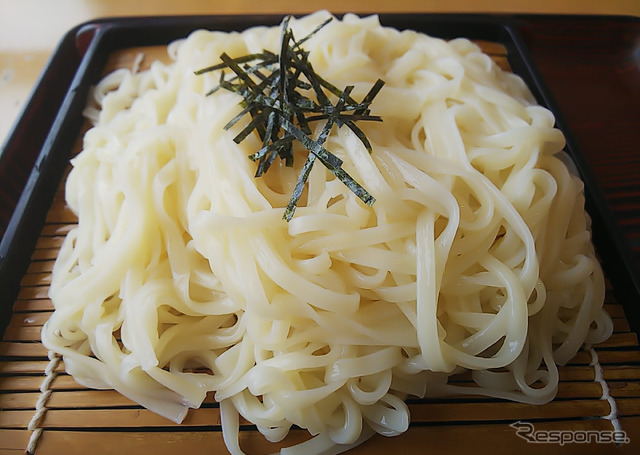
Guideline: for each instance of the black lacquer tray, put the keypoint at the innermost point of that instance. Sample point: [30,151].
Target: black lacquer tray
[586,70]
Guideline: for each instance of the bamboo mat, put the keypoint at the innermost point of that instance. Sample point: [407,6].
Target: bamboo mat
[77,420]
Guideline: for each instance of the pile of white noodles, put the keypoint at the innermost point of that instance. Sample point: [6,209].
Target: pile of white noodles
[182,278]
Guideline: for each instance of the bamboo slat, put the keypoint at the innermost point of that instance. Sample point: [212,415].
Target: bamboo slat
[37,279]
[79,419]
[13,441]
[438,439]
[25,383]
[22,334]
[11,349]
[26,367]
[29,305]
[40,267]
[210,416]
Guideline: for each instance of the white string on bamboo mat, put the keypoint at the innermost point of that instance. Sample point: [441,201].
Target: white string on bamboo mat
[599,378]
[41,404]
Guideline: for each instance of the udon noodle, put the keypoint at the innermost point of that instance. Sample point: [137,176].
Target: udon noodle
[182,278]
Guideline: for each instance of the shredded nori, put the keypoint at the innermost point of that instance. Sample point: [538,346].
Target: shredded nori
[273,90]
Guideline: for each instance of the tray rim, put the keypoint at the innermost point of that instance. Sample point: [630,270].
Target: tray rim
[93,40]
